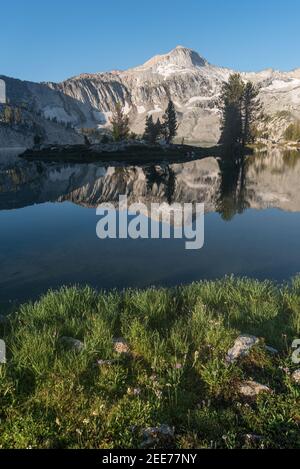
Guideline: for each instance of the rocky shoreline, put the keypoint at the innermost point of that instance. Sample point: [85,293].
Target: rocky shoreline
[122,151]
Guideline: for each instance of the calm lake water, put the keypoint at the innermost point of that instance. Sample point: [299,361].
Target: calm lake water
[48,223]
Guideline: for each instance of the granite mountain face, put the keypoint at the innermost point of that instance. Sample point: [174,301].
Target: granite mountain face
[183,75]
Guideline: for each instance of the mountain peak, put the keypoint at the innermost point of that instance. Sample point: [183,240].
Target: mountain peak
[188,56]
[181,57]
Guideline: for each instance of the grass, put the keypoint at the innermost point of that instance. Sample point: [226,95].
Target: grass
[51,397]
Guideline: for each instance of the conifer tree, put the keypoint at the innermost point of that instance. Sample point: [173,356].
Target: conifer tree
[240,106]
[159,128]
[169,124]
[231,104]
[120,124]
[148,128]
[251,107]
[152,130]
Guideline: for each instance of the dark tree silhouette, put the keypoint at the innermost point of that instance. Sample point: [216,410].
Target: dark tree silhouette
[232,195]
[152,130]
[251,108]
[161,176]
[240,106]
[231,105]
[87,141]
[169,124]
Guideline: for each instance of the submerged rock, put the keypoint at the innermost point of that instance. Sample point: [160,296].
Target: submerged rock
[251,389]
[162,436]
[73,344]
[296,376]
[241,348]
[121,346]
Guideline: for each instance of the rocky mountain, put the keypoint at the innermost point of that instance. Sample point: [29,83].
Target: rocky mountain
[183,75]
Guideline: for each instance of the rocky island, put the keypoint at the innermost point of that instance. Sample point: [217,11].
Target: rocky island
[127,152]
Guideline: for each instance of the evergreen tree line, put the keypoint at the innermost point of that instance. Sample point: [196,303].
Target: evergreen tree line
[167,128]
[240,106]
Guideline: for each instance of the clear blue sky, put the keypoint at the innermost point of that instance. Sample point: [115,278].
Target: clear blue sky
[53,40]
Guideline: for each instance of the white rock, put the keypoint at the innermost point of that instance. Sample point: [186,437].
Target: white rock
[296,376]
[251,389]
[121,346]
[241,348]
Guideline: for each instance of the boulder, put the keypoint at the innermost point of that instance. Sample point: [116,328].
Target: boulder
[121,346]
[296,376]
[251,389]
[158,437]
[241,348]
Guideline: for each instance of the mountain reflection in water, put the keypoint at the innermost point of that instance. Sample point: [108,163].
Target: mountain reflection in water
[48,235]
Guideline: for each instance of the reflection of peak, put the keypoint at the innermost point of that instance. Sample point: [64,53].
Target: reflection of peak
[181,57]
[267,181]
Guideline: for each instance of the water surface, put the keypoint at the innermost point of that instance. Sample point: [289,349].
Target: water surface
[48,223]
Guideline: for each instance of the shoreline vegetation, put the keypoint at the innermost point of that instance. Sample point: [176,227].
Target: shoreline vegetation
[207,365]
[122,151]
[141,152]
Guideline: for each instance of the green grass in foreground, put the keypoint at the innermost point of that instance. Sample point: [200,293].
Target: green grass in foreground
[54,398]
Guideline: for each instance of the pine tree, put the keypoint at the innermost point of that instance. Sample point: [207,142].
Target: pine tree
[240,106]
[231,104]
[120,124]
[148,128]
[251,107]
[152,130]
[169,125]
[159,129]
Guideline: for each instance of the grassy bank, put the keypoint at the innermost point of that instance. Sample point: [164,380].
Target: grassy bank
[175,374]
